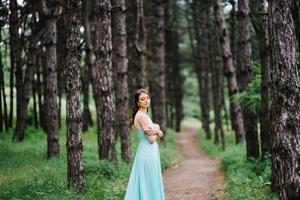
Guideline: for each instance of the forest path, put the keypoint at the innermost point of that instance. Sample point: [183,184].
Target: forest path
[197,176]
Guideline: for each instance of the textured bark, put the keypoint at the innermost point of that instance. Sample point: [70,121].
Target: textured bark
[26,88]
[40,89]
[73,87]
[233,30]
[296,14]
[173,76]
[119,62]
[285,106]
[245,76]
[103,89]
[140,44]
[265,123]
[200,65]
[15,51]
[136,46]
[89,61]
[1,83]
[157,83]
[235,108]
[50,96]
[61,60]
[35,104]
[216,68]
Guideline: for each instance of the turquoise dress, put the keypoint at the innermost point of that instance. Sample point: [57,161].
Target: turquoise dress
[145,182]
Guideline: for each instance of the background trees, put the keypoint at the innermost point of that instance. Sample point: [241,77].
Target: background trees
[198,58]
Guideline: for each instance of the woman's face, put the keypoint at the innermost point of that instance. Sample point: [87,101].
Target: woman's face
[144,100]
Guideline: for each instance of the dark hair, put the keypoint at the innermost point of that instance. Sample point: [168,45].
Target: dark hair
[136,100]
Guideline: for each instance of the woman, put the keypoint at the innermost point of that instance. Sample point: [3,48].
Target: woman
[145,182]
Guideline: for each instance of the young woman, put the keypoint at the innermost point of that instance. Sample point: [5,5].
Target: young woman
[145,182]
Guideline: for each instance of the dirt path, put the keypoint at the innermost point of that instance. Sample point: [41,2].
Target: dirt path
[197,177]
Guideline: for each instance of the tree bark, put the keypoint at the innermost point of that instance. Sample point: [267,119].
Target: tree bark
[157,84]
[119,62]
[50,100]
[265,121]
[235,108]
[103,89]
[15,51]
[73,88]
[285,106]
[89,61]
[25,90]
[244,75]
[216,68]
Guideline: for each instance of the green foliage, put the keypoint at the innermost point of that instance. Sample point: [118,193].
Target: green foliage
[25,172]
[252,97]
[245,179]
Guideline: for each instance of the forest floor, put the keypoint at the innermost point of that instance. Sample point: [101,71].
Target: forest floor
[197,176]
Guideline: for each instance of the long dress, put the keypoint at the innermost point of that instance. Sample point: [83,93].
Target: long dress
[145,182]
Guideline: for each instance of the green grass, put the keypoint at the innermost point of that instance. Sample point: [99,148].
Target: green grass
[26,173]
[245,179]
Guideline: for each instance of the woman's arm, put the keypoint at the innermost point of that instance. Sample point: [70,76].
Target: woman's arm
[151,133]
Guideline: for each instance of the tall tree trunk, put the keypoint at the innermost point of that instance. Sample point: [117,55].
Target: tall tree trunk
[216,68]
[1,83]
[245,76]
[199,18]
[119,62]
[61,61]
[265,121]
[103,89]
[136,46]
[235,108]
[25,90]
[87,117]
[51,14]
[177,77]
[15,51]
[233,30]
[35,109]
[73,88]
[296,11]
[157,85]
[39,89]
[285,106]
[140,44]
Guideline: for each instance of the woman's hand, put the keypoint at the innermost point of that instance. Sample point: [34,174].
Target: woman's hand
[156,126]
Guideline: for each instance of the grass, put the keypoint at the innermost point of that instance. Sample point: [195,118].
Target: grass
[26,173]
[245,179]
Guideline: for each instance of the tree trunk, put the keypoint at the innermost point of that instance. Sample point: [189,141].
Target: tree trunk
[157,85]
[235,108]
[25,90]
[245,76]
[61,61]
[103,89]
[296,11]
[119,62]
[136,46]
[35,109]
[50,42]
[216,68]
[265,121]
[285,106]
[73,88]
[39,89]
[89,54]
[15,51]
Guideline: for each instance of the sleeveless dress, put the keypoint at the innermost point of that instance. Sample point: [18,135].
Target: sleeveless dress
[145,182]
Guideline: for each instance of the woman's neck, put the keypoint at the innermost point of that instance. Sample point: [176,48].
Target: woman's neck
[144,110]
